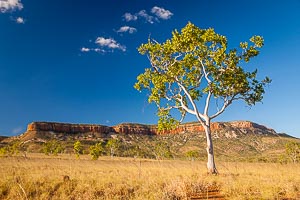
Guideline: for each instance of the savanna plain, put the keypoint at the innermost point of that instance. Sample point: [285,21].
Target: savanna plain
[66,177]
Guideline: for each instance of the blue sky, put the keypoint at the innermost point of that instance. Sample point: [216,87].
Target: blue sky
[77,61]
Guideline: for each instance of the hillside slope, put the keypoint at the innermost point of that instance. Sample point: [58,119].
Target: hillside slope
[237,140]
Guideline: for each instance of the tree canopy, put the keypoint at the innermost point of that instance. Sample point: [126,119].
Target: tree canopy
[194,68]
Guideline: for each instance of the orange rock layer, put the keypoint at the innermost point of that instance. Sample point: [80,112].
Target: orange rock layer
[128,128]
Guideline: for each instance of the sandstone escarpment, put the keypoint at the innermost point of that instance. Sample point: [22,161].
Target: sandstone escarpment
[130,128]
[68,128]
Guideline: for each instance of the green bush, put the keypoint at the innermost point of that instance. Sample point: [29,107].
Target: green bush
[53,147]
[96,150]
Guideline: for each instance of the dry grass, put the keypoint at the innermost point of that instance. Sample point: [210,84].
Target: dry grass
[65,177]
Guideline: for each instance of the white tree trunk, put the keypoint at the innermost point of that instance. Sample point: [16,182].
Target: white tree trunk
[211,166]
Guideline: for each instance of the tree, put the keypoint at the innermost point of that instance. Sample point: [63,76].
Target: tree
[192,155]
[52,147]
[113,146]
[292,150]
[3,151]
[193,70]
[78,148]
[96,150]
[13,148]
[162,150]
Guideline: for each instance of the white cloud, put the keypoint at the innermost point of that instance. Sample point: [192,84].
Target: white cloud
[84,49]
[17,130]
[129,17]
[147,17]
[106,45]
[126,29]
[161,13]
[20,20]
[8,5]
[98,50]
[109,43]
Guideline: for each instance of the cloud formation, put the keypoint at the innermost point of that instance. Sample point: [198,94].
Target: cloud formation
[128,29]
[145,15]
[109,43]
[160,13]
[98,50]
[9,5]
[20,20]
[84,49]
[106,45]
[129,17]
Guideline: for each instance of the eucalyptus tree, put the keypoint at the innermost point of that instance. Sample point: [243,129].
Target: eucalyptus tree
[195,69]
[292,150]
[78,148]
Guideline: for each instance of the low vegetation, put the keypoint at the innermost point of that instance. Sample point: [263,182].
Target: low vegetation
[65,177]
[251,166]
[187,146]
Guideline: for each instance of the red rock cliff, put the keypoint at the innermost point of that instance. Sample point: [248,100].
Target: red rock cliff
[129,128]
[68,128]
[135,129]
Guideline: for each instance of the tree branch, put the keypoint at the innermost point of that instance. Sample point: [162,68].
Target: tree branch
[205,73]
[207,103]
[227,102]
[183,106]
[199,116]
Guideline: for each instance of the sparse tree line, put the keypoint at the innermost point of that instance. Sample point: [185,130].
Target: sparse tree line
[115,147]
[111,147]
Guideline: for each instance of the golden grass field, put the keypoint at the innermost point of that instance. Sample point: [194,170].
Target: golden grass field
[65,177]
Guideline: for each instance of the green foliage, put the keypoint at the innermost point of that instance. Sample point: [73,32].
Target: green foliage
[162,150]
[292,150]
[282,159]
[193,154]
[3,151]
[113,145]
[194,64]
[133,151]
[78,148]
[96,150]
[53,147]
[166,121]
[12,148]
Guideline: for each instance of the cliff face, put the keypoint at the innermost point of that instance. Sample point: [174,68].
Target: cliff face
[68,128]
[135,129]
[128,128]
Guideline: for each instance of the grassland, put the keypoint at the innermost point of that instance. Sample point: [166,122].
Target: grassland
[65,177]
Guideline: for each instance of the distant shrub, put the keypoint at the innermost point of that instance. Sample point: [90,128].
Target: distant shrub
[192,155]
[162,150]
[96,150]
[283,159]
[292,150]
[12,149]
[78,148]
[113,146]
[52,147]
[3,151]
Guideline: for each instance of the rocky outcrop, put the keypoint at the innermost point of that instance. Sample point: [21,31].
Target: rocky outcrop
[130,128]
[194,128]
[68,128]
